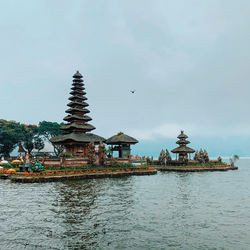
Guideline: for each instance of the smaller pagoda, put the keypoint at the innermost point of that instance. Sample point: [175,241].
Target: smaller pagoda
[182,151]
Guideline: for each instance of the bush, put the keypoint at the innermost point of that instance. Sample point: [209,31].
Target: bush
[121,165]
[66,155]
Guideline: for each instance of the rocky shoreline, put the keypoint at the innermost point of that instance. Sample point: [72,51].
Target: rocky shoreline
[33,179]
[78,176]
[197,169]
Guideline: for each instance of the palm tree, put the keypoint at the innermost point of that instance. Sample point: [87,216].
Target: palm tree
[234,159]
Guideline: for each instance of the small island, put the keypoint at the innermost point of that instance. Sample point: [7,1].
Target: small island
[184,162]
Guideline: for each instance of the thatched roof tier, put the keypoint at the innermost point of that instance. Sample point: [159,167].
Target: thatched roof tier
[74,104]
[77,97]
[76,117]
[73,110]
[183,141]
[183,149]
[78,138]
[121,138]
[77,75]
[77,84]
[85,127]
[77,79]
[182,135]
[77,92]
[77,88]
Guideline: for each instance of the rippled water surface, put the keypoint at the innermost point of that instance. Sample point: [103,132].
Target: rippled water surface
[168,210]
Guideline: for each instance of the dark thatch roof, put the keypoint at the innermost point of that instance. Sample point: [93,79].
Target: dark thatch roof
[76,117]
[182,141]
[74,125]
[83,110]
[77,80]
[77,88]
[121,138]
[77,74]
[76,97]
[79,138]
[182,135]
[183,149]
[73,104]
[77,91]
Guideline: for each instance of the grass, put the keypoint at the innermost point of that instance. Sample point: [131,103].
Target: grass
[60,171]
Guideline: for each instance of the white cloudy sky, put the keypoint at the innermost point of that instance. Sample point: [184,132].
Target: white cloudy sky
[188,61]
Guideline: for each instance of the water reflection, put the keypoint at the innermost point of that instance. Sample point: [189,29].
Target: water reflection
[168,210]
[87,209]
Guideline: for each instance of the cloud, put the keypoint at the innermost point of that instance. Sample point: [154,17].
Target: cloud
[165,131]
[187,60]
[172,130]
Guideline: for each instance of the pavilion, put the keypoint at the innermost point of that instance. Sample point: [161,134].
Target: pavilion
[121,143]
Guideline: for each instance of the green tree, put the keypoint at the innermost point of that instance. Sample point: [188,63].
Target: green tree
[38,144]
[51,129]
[30,135]
[29,145]
[108,151]
[11,133]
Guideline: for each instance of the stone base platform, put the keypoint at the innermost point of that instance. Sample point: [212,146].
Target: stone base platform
[33,179]
[196,169]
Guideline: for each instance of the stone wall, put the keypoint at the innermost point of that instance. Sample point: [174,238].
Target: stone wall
[49,162]
[78,162]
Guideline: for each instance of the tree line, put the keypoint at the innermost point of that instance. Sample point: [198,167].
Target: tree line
[32,137]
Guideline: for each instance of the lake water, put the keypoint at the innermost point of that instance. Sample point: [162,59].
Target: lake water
[168,210]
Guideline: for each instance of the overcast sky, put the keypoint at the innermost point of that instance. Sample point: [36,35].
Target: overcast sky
[188,61]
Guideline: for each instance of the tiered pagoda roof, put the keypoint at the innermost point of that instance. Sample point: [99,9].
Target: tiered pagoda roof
[182,142]
[77,128]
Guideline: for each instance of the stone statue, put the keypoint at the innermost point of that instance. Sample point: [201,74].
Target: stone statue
[91,154]
[196,156]
[168,157]
[162,157]
[205,156]
[102,155]
[201,156]
[149,162]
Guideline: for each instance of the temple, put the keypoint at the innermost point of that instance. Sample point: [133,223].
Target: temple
[77,136]
[121,143]
[182,150]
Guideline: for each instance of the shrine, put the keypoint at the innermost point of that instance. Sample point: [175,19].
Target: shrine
[182,151]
